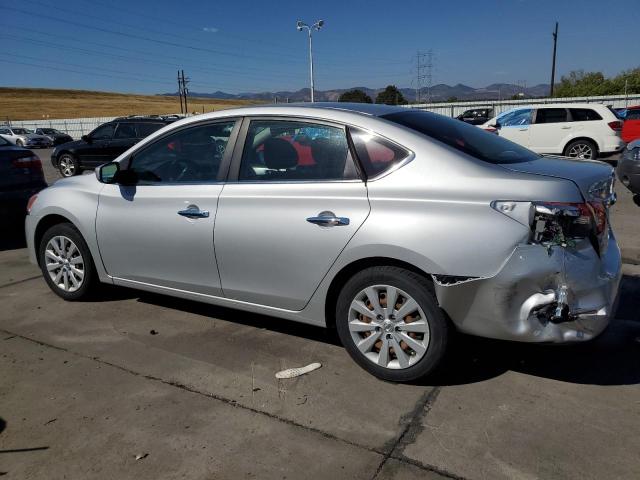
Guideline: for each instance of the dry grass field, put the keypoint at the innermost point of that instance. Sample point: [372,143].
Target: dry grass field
[36,103]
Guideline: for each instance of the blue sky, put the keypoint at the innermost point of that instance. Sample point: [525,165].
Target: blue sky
[239,46]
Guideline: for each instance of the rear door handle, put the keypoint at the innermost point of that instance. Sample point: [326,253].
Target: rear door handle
[194,213]
[328,219]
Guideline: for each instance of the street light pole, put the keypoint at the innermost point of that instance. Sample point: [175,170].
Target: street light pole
[317,26]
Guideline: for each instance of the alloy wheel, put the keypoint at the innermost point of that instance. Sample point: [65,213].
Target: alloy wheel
[581,150]
[64,263]
[388,327]
[67,166]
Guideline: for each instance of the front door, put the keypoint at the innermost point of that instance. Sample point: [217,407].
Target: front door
[515,126]
[296,204]
[160,230]
[96,150]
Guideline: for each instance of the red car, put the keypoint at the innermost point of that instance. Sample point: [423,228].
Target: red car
[631,126]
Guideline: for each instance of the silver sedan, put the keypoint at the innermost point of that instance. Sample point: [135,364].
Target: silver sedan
[395,226]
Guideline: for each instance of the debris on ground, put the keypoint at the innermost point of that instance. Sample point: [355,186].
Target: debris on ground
[153,332]
[296,372]
[140,456]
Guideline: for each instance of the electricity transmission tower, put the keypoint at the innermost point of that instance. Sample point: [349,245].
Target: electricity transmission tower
[424,73]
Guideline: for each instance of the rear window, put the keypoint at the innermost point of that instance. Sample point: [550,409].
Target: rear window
[584,114]
[146,129]
[375,153]
[466,138]
[633,115]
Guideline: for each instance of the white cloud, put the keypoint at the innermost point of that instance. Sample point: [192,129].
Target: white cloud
[210,29]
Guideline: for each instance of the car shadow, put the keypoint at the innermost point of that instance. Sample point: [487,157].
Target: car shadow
[636,199]
[611,359]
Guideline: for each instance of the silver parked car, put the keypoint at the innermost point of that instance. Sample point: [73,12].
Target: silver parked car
[396,226]
[23,137]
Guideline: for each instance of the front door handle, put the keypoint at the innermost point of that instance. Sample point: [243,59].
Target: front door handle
[328,219]
[194,212]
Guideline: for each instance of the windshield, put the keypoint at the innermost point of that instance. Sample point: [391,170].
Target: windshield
[21,131]
[49,131]
[466,138]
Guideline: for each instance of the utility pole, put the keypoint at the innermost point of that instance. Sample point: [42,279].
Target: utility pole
[300,25]
[429,74]
[180,92]
[553,64]
[185,92]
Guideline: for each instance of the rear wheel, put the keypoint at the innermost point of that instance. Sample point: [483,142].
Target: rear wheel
[66,262]
[389,321]
[581,149]
[68,165]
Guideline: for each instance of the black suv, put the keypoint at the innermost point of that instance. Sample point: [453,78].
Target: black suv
[105,143]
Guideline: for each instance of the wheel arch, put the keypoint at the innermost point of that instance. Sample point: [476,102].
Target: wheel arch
[45,224]
[582,137]
[349,270]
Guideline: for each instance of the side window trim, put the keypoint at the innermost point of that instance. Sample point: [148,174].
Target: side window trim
[223,171]
[234,168]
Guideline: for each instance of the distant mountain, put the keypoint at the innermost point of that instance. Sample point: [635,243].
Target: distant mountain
[437,93]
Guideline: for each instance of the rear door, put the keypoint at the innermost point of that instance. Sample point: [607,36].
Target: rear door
[515,125]
[550,130]
[294,205]
[160,231]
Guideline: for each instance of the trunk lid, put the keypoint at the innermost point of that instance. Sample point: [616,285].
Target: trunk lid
[586,174]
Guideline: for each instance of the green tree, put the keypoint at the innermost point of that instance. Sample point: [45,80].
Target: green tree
[581,84]
[391,96]
[452,99]
[355,95]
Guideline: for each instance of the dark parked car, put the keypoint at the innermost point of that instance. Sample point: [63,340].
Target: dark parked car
[20,177]
[476,116]
[105,143]
[56,136]
[628,169]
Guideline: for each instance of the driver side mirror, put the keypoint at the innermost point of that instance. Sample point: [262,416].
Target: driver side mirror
[108,172]
[86,138]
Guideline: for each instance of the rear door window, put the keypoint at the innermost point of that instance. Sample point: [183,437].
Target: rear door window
[146,129]
[551,115]
[584,115]
[283,150]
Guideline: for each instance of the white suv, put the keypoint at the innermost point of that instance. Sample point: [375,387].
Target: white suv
[580,130]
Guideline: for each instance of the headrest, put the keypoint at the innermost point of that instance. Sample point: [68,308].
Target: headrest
[279,154]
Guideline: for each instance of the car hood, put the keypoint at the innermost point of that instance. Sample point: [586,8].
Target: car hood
[34,136]
[584,173]
[74,143]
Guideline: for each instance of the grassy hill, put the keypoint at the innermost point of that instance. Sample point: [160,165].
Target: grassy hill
[37,103]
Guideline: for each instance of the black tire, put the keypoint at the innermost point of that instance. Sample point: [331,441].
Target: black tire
[573,148]
[90,277]
[421,290]
[19,143]
[68,165]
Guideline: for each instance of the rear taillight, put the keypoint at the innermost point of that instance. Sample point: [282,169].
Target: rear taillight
[31,201]
[616,126]
[599,212]
[32,162]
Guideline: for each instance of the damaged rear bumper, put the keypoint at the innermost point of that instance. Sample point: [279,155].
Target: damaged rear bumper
[561,295]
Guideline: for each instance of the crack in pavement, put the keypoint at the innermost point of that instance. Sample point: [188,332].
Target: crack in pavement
[414,416]
[18,282]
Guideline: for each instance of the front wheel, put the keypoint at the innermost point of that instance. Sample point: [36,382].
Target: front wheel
[19,143]
[389,321]
[66,262]
[581,149]
[68,165]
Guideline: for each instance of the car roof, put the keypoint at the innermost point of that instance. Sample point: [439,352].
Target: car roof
[373,109]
